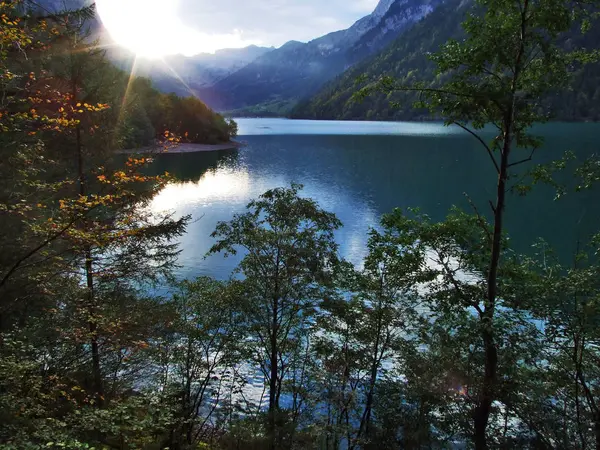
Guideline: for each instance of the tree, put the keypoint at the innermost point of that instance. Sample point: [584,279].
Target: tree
[83,244]
[289,253]
[114,238]
[339,368]
[569,310]
[499,75]
[387,288]
[26,111]
[445,366]
[200,360]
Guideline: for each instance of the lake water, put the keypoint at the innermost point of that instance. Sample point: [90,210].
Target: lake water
[361,170]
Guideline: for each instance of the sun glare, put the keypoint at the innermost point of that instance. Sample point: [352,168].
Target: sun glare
[153,29]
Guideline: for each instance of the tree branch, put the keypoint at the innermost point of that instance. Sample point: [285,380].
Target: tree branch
[487,147]
[482,221]
[46,242]
[523,160]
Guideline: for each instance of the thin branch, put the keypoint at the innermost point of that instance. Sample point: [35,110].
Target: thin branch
[523,160]
[487,147]
[35,250]
[450,275]
[482,221]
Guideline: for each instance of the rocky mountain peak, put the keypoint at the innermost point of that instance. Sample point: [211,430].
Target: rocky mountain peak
[382,8]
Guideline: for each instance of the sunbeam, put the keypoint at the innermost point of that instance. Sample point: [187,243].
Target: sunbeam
[127,89]
[176,75]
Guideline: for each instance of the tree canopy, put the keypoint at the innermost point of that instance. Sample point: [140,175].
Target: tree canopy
[441,337]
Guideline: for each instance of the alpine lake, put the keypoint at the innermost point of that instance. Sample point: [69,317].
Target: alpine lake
[361,170]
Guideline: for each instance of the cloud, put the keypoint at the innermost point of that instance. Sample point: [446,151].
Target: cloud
[272,22]
[155,28]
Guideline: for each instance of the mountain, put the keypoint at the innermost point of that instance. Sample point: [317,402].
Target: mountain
[406,60]
[280,78]
[186,75]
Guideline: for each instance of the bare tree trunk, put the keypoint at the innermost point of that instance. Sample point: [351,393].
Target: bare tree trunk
[597,430]
[366,422]
[93,328]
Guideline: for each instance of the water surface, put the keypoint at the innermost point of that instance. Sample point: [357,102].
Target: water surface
[361,170]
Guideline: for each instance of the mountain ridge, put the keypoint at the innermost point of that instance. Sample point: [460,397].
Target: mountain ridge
[406,60]
[183,75]
[296,70]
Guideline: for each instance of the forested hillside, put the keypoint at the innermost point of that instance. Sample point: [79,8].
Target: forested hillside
[142,114]
[407,61]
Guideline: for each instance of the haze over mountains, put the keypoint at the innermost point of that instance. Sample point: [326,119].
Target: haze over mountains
[406,60]
[187,75]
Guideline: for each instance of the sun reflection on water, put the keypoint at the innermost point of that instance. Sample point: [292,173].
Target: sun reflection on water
[218,185]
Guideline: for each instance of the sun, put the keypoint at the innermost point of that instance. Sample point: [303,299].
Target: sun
[153,29]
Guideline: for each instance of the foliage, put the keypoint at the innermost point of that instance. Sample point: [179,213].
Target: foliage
[289,253]
[510,59]
[443,336]
[200,361]
[81,243]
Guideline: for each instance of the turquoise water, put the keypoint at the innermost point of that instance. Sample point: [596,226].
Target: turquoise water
[260,127]
[362,170]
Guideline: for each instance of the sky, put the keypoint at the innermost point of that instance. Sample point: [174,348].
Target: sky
[160,27]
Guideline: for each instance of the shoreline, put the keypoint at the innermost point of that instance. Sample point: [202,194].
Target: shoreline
[185,148]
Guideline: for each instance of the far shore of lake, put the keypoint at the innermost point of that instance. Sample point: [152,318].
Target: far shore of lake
[185,148]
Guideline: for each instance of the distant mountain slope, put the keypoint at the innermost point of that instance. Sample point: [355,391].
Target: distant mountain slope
[186,75]
[296,70]
[406,60]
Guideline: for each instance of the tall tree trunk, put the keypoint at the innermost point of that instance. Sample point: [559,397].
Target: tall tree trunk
[597,430]
[365,423]
[343,413]
[188,410]
[486,398]
[273,404]
[93,328]
[484,407]
[274,352]
[369,403]
[89,269]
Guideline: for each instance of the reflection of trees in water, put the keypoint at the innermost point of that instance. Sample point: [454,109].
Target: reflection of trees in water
[191,166]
